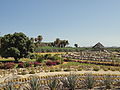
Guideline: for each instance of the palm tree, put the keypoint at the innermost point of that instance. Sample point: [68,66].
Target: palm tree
[32,39]
[57,42]
[76,45]
[39,38]
[36,39]
[64,43]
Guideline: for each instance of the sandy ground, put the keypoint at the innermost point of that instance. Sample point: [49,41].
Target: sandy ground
[55,73]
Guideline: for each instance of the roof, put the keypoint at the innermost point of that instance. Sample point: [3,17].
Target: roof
[98,45]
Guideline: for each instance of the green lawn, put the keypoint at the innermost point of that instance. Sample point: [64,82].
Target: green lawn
[75,64]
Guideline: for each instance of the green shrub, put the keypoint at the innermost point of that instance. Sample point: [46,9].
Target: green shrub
[57,70]
[23,72]
[113,69]
[40,58]
[66,70]
[7,65]
[32,72]
[47,56]
[1,65]
[55,57]
[32,56]
[96,69]
[28,64]
[52,70]
[79,69]
[105,69]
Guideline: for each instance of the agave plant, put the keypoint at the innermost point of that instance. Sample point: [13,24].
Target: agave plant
[108,82]
[70,82]
[89,81]
[9,86]
[53,84]
[33,84]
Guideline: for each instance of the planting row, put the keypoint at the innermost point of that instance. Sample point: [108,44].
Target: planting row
[64,82]
[10,65]
[93,62]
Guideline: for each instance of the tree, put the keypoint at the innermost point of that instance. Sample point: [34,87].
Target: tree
[36,39]
[16,45]
[60,43]
[32,39]
[57,42]
[76,45]
[65,42]
[39,38]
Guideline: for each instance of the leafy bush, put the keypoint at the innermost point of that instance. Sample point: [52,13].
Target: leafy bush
[21,65]
[79,69]
[57,62]
[40,58]
[47,56]
[52,70]
[67,70]
[57,70]
[9,65]
[113,69]
[23,73]
[96,68]
[1,65]
[32,72]
[50,63]
[28,64]
[55,57]
[105,69]
[32,56]
[36,64]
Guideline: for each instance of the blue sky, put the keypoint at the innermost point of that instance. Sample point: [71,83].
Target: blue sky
[85,22]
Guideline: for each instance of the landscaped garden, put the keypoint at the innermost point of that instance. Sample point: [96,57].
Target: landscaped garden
[26,64]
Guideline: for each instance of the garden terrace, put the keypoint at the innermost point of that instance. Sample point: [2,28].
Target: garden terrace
[50,67]
[62,68]
[82,81]
[94,56]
